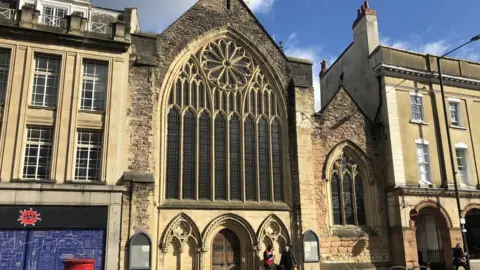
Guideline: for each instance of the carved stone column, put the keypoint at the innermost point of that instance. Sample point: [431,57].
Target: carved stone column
[201,254]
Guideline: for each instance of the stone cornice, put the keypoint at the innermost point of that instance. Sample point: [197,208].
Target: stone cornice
[433,192]
[398,71]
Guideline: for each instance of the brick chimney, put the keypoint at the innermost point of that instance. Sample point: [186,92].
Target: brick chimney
[365,27]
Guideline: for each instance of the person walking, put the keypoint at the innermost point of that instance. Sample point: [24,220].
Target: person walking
[268,257]
[459,258]
[288,261]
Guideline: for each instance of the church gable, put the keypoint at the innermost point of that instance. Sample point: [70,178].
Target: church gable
[209,17]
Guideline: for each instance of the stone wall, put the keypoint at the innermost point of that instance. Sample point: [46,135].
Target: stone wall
[341,121]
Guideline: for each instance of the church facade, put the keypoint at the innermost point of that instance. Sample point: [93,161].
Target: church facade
[226,155]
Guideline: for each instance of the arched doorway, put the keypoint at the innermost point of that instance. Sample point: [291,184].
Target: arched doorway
[226,253]
[433,239]
[473,234]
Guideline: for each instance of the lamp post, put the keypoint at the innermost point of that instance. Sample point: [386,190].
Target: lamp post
[462,225]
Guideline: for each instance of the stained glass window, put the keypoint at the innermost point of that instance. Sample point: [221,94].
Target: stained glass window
[250,160]
[220,158]
[336,201]
[189,157]
[204,176]
[173,150]
[359,200]
[235,158]
[277,161]
[348,204]
[264,160]
[226,138]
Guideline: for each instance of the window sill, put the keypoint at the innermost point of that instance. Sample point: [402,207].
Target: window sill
[418,122]
[86,182]
[38,107]
[92,112]
[223,205]
[458,127]
[352,231]
[39,181]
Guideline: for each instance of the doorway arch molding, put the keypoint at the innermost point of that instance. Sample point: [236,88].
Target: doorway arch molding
[433,204]
[470,207]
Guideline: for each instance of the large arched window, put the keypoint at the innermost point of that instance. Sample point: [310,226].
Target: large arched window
[348,206]
[224,130]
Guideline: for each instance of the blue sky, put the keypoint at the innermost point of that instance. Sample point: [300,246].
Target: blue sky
[321,29]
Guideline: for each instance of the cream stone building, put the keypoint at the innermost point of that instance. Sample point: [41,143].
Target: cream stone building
[63,93]
[399,90]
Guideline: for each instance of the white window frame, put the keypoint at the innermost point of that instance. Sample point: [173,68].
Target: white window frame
[425,163]
[96,81]
[40,145]
[422,111]
[89,148]
[47,75]
[4,74]
[54,20]
[465,179]
[458,115]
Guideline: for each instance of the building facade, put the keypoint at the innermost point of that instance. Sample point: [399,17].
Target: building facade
[64,67]
[399,90]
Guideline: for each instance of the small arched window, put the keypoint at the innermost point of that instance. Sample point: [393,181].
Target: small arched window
[348,206]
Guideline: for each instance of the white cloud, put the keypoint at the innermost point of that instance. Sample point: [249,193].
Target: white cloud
[156,15]
[438,47]
[260,6]
[312,53]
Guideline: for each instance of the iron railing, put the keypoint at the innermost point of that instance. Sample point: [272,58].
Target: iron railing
[98,27]
[54,21]
[7,13]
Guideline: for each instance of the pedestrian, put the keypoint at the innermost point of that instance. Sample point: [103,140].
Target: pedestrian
[288,261]
[268,257]
[459,258]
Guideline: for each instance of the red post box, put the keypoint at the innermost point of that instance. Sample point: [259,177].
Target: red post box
[79,264]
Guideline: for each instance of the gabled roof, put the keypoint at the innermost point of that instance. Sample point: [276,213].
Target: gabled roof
[342,87]
[242,2]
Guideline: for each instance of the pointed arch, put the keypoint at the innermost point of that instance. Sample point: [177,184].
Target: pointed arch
[180,229]
[234,223]
[273,228]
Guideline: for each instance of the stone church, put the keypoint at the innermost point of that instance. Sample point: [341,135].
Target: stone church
[226,155]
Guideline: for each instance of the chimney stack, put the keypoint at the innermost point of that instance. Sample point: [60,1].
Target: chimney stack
[365,27]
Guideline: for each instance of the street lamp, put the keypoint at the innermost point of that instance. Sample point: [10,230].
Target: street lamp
[462,225]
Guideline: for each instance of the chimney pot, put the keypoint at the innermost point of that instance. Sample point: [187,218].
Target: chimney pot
[363,9]
[366,5]
[324,65]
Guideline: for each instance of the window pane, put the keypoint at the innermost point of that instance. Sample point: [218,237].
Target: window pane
[417,110]
[94,85]
[189,157]
[250,161]
[277,155]
[259,102]
[194,94]
[264,160]
[89,155]
[4,68]
[462,166]
[38,153]
[336,202]
[173,157]
[220,158]
[348,199]
[235,157]
[204,186]
[359,200]
[45,80]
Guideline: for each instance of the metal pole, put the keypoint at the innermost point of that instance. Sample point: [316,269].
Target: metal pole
[447,126]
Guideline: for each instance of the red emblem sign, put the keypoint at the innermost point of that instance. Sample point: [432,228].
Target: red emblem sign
[413,215]
[29,217]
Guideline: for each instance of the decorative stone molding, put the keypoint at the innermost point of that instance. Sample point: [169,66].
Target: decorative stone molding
[180,229]
[434,192]
[429,203]
[274,229]
[469,207]
[233,222]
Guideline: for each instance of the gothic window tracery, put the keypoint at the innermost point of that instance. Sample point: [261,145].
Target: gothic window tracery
[221,93]
[347,192]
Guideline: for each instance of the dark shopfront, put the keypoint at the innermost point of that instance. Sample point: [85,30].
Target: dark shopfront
[42,237]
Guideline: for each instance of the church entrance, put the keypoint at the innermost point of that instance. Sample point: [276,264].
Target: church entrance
[226,251]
